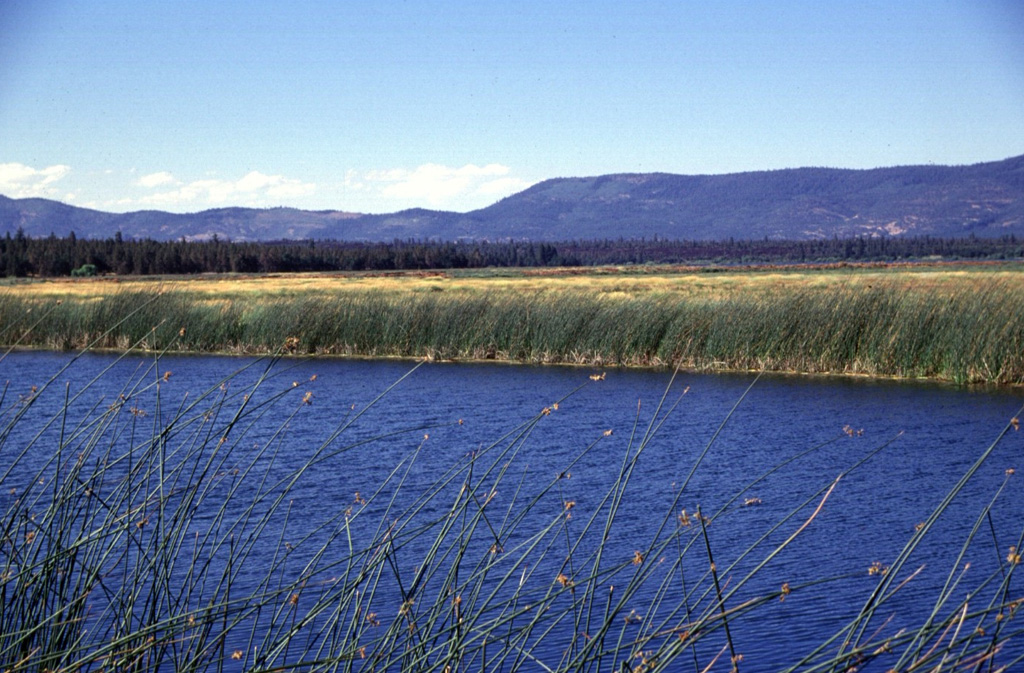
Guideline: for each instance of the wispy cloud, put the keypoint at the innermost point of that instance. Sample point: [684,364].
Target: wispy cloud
[156,179]
[20,181]
[252,189]
[438,186]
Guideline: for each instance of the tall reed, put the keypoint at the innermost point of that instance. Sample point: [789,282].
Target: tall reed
[973,333]
[145,533]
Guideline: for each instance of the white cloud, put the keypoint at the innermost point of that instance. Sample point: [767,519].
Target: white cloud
[438,186]
[20,181]
[253,189]
[156,179]
[386,190]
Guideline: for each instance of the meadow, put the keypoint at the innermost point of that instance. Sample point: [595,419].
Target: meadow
[959,323]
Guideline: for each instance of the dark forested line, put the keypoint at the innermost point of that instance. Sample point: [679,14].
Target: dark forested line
[48,257]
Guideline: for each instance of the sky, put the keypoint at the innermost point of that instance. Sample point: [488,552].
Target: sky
[377,106]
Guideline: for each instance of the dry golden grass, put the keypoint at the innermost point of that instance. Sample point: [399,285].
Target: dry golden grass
[614,283]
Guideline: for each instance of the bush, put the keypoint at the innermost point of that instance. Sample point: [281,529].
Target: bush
[84,271]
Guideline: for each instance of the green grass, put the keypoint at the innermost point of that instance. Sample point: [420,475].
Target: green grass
[899,326]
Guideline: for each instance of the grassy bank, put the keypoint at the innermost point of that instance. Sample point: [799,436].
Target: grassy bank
[959,324]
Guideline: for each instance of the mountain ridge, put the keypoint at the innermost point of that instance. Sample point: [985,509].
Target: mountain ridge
[984,199]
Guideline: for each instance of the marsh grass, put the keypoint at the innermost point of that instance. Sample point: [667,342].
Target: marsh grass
[170,539]
[962,327]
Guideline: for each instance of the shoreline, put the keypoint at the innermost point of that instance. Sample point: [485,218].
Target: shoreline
[509,362]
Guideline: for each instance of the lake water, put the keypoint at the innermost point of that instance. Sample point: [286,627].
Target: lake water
[916,440]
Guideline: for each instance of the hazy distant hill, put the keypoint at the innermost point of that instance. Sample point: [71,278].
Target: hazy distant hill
[40,217]
[984,199]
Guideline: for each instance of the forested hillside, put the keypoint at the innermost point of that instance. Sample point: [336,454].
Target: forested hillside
[986,200]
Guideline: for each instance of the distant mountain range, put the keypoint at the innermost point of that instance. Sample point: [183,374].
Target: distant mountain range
[804,203]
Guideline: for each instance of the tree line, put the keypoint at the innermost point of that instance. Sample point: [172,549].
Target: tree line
[22,256]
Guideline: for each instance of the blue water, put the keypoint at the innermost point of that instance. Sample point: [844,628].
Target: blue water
[918,440]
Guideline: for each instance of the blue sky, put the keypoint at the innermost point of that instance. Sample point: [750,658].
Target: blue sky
[377,106]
